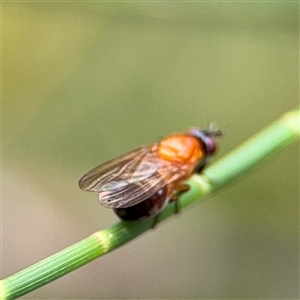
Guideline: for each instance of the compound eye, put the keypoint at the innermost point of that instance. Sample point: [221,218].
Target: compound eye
[211,145]
[207,137]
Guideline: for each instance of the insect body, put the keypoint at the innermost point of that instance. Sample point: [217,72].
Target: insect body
[140,183]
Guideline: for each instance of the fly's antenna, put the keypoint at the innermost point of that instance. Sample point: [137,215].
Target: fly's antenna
[213,130]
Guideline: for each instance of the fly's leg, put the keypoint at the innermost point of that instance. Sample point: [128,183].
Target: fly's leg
[155,219]
[180,188]
[201,165]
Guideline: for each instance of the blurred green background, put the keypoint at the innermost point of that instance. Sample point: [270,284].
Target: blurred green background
[85,82]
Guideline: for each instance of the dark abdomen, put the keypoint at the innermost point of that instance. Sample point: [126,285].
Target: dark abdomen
[147,208]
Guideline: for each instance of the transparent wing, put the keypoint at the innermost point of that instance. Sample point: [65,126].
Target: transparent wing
[131,178]
[94,179]
[121,194]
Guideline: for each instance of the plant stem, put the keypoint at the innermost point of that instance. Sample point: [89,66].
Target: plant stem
[273,138]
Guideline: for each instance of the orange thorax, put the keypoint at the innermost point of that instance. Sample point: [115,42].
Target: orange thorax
[181,148]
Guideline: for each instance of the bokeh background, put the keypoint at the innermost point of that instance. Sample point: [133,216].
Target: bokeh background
[85,82]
